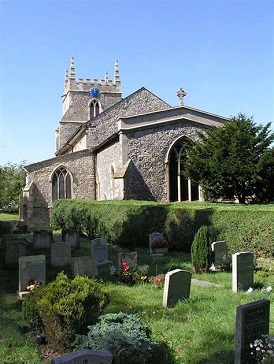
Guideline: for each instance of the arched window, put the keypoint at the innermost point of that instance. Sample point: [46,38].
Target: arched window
[180,188]
[61,184]
[94,108]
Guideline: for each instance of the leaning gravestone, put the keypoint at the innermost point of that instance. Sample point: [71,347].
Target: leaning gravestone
[60,254]
[252,321]
[219,250]
[129,258]
[99,251]
[85,356]
[14,250]
[84,266]
[42,239]
[242,271]
[31,267]
[152,237]
[177,287]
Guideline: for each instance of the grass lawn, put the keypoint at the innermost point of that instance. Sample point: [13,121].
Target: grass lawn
[200,330]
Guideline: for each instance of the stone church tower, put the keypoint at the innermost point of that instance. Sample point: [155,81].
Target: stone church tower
[109,147]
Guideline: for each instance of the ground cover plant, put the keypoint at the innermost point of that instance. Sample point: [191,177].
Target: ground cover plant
[200,330]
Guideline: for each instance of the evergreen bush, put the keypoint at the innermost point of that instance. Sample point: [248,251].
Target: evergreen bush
[123,335]
[66,307]
[200,250]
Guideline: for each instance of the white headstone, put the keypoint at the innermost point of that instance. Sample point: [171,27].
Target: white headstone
[84,266]
[31,267]
[153,236]
[177,287]
[60,254]
[99,251]
[129,258]
[242,271]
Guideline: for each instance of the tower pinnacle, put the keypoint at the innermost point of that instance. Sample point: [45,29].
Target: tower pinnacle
[116,72]
[72,69]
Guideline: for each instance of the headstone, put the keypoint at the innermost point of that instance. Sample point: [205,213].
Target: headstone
[31,267]
[219,249]
[153,236]
[42,239]
[14,250]
[71,237]
[242,271]
[5,227]
[99,251]
[129,258]
[60,254]
[252,321]
[177,287]
[84,266]
[85,356]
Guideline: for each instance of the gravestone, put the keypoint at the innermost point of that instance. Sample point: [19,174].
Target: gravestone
[219,250]
[60,254]
[153,236]
[252,321]
[71,237]
[84,266]
[242,271]
[129,258]
[177,287]
[31,267]
[42,239]
[85,356]
[14,250]
[99,251]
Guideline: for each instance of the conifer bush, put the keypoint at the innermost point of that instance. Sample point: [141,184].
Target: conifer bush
[66,307]
[200,250]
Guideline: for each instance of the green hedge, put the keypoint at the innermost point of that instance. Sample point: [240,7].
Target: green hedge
[128,223]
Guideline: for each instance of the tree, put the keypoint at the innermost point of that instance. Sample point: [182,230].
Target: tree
[12,180]
[234,161]
[200,250]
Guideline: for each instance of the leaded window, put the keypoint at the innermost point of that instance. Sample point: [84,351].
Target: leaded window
[61,184]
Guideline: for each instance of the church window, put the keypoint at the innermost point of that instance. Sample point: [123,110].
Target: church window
[61,184]
[94,108]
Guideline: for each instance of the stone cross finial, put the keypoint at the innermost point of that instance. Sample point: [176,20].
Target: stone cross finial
[181,94]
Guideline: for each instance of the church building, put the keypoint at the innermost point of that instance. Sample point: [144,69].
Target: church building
[109,147]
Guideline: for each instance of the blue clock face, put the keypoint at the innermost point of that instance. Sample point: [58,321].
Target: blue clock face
[94,92]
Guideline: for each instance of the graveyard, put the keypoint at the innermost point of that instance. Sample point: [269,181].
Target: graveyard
[200,324]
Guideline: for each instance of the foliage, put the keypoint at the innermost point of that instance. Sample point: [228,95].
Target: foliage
[157,281]
[30,310]
[244,227]
[200,250]
[234,161]
[128,275]
[66,307]
[123,335]
[12,180]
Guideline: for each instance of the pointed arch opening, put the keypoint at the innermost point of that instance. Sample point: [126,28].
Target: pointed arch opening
[94,108]
[180,188]
[61,182]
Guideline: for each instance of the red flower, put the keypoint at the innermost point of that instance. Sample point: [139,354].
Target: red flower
[124,265]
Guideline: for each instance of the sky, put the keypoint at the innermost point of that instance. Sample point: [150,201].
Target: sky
[221,52]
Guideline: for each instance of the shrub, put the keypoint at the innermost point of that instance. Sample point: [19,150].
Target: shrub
[123,335]
[30,310]
[67,306]
[200,250]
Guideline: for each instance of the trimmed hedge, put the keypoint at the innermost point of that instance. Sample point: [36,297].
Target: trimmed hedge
[129,223]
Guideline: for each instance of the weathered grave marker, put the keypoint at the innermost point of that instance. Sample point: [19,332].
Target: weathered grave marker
[177,287]
[42,239]
[252,321]
[84,266]
[31,267]
[129,258]
[152,237]
[14,250]
[71,237]
[99,251]
[85,356]
[60,254]
[219,250]
[242,271]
